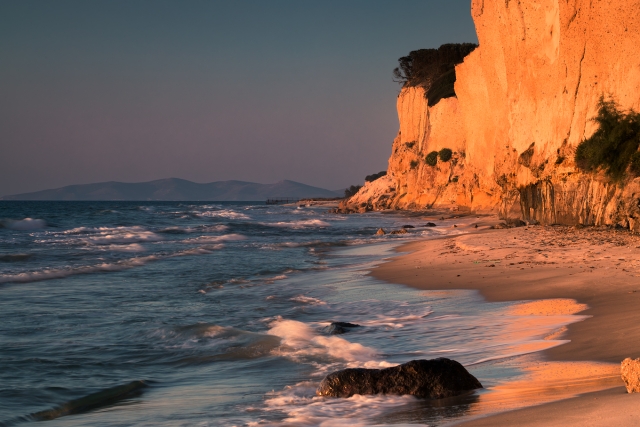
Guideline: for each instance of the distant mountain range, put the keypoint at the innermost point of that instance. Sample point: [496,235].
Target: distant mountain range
[174,189]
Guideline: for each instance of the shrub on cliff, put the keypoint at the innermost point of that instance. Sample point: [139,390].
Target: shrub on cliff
[373,177]
[433,69]
[614,144]
[351,191]
[413,164]
[432,158]
[445,154]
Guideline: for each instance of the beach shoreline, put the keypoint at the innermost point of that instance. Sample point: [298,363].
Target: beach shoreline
[556,267]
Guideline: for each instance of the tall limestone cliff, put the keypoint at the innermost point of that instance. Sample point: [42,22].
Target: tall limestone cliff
[524,100]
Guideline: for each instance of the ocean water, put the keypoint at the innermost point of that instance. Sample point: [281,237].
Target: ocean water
[216,314]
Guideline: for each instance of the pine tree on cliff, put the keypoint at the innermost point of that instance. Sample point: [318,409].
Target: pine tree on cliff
[433,69]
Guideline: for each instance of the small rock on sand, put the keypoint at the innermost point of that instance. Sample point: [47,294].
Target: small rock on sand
[430,379]
[630,372]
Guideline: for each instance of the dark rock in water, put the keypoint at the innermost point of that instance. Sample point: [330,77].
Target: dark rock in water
[408,226]
[431,379]
[401,231]
[337,328]
[429,224]
[93,401]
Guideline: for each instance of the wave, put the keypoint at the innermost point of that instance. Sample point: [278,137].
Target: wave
[199,229]
[23,224]
[219,343]
[47,274]
[111,235]
[134,247]
[223,213]
[302,344]
[308,223]
[307,300]
[303,408]
[215,239]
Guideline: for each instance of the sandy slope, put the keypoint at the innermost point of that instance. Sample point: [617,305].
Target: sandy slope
[596,267]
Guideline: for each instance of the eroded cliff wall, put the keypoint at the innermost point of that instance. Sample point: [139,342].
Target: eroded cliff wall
[524,101]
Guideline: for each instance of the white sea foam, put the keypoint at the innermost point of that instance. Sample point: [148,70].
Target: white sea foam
[307,300]
[134,247]
[24,224]
[309,223]
[215,239]
[301,343]
[223,213]
[198,229]
[304,408]
[112,235]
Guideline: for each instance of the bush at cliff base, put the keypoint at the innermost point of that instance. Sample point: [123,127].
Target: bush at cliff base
[445,154]
[614,145]
[432,158]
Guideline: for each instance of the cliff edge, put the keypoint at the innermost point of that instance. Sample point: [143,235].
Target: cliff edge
[522,102]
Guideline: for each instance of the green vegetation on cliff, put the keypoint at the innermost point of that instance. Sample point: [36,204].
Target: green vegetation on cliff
[432,158]
[433,69]
[614,146]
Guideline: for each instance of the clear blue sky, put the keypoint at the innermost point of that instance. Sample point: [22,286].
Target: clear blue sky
[258,91]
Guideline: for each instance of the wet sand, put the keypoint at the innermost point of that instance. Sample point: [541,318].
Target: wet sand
[599,268]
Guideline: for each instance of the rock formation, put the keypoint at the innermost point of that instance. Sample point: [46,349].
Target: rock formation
[338,328]
[524,100]
[431,379]
[630,371]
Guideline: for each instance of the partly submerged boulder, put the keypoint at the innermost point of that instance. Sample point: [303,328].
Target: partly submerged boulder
[337,328]
[431,379]
[380,232]
[630,372]
[401,231]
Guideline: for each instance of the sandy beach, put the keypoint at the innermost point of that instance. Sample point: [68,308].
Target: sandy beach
[559,270]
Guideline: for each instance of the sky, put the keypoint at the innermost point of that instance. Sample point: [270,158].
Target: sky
[253,90]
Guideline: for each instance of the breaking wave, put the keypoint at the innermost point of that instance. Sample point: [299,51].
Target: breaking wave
[310,223]
[58,273]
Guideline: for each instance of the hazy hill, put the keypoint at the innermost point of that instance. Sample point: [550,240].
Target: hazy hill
[178,189]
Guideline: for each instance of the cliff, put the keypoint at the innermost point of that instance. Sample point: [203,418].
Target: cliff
[523,101]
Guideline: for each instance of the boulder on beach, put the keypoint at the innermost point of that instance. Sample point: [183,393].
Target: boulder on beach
[630,372]
[380,232]
[430,379]
[401,231]
[337,328]
[429,224]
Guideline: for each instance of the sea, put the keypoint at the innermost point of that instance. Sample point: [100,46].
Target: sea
[219,314]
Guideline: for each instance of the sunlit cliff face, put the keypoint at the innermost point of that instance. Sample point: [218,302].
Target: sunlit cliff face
[524,100]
